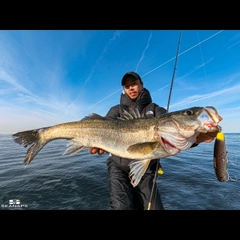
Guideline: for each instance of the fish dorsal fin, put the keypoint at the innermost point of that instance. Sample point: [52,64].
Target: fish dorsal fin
[143,148]
[133,113]
[93,116]
[137,169]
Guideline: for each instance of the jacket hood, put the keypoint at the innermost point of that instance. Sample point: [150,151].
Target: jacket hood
[142,101]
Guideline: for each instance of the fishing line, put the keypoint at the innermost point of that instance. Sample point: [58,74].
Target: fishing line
[230,162]
[158,67]
[174,70]
[206,82]
[203,62]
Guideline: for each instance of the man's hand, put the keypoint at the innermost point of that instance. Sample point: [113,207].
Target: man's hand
[94,150]
[206,137]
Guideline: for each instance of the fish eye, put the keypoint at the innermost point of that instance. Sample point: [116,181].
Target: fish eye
[188,112]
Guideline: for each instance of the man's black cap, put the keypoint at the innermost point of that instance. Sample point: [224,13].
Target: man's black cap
[130,74]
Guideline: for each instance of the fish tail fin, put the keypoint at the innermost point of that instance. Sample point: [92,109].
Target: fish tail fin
[137,169]
[27,138]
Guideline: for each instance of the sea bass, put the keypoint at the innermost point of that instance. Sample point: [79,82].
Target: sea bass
[132,137]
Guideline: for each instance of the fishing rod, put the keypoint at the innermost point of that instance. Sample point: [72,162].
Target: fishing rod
[158,165]
[174,70]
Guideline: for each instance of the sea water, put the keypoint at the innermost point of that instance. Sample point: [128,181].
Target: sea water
[53,181]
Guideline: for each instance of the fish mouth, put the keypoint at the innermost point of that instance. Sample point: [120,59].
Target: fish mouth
[213,114]
[214,119]
[183,139]
[179,134]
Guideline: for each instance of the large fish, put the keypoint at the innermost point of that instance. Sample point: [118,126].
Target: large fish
[133,137]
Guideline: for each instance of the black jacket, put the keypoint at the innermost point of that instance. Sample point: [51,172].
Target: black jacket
[146,108]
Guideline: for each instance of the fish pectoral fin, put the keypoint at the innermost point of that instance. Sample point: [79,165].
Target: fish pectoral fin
[143,148]
[73,147]
[137,169]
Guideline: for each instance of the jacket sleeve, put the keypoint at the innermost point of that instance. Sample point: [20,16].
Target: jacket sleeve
[113,112]
[159,110]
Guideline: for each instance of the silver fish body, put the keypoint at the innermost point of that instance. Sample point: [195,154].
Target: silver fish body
[140,139]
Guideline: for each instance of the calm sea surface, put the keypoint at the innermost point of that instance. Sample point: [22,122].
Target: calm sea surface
[54,181]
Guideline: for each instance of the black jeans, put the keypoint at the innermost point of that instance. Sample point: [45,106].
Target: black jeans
[123,196]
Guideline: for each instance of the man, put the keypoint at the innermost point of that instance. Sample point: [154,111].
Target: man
[123,196]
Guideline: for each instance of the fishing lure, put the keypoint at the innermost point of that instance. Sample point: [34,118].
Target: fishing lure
[220,158]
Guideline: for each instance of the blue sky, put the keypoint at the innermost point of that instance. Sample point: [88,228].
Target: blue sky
[49,77]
